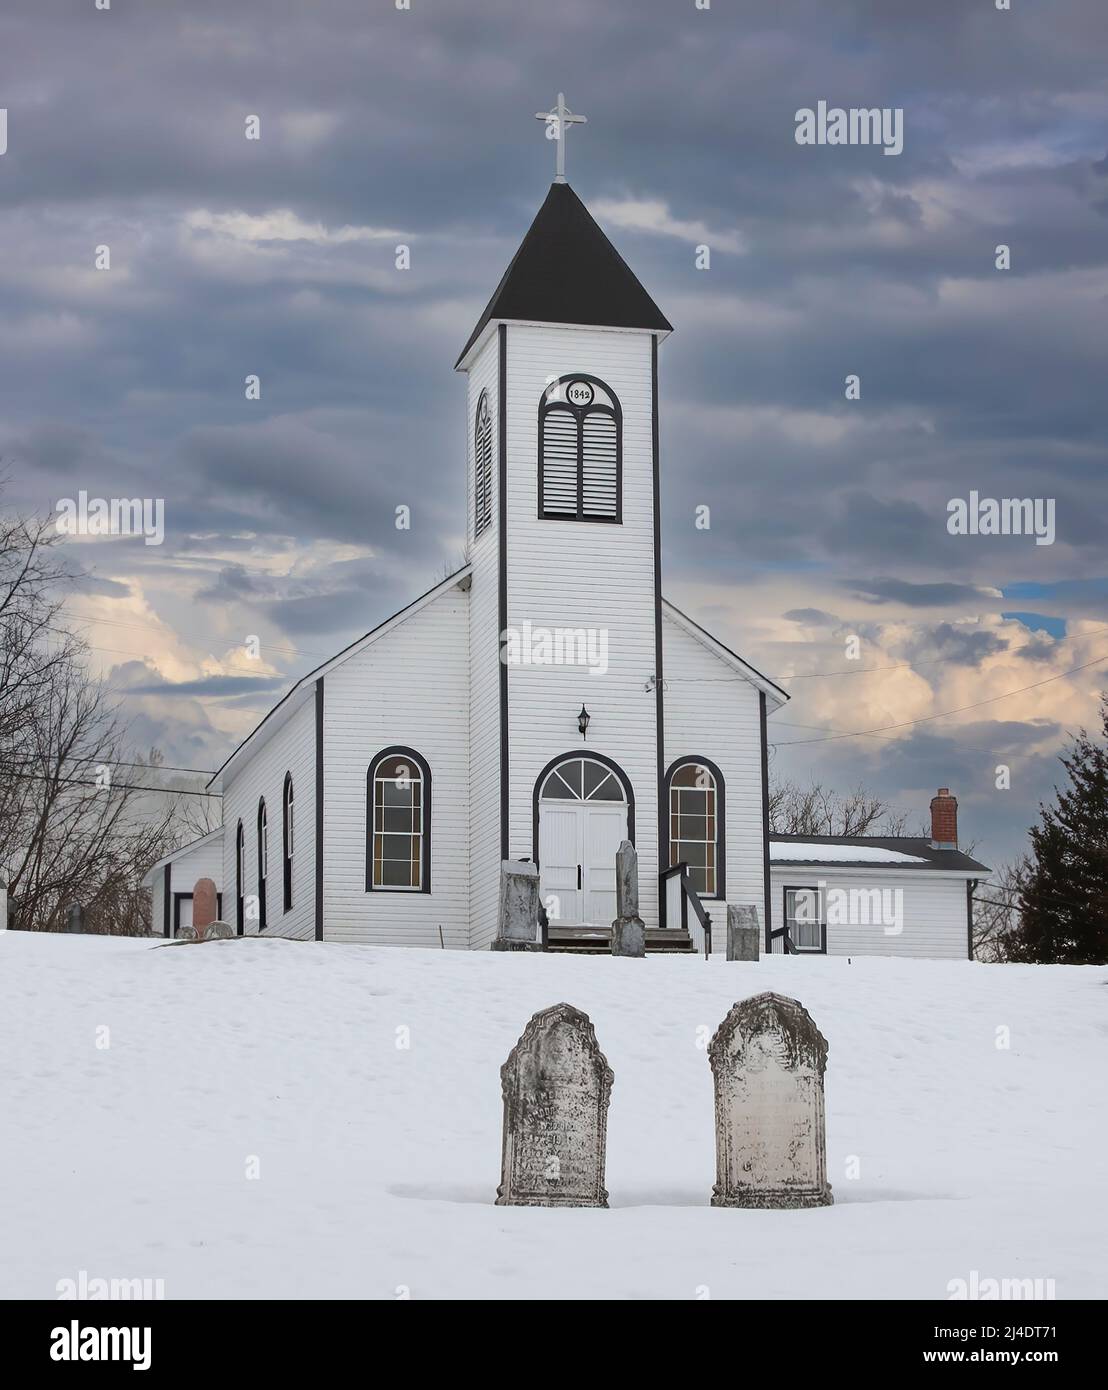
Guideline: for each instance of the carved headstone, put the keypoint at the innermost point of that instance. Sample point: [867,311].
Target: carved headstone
[743,932]
[556,1084]
[768,1060]
[218,931]
[204,900]
[628,929]
[187,933]
[517,916]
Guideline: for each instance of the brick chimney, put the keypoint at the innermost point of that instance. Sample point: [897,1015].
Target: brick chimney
[944,820]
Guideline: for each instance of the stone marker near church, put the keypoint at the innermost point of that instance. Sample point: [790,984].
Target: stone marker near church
[768,1060]
[556,1084]
[743,932]
[628,929]
[517,914]
[204,905]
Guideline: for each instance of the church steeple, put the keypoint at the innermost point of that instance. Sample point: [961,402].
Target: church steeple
[567,271]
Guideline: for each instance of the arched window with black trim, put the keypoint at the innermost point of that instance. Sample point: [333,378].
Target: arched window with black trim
[398,822]
[288,841]
[240,879]
[696,823]
[482,466]
[580,451]
[263,862]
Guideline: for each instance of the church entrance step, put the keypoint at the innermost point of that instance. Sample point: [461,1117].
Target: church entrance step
[598,940]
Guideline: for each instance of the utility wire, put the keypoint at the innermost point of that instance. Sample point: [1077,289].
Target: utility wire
[112,786]
[943,714]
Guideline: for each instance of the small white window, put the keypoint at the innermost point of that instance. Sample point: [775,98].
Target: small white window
[804,919]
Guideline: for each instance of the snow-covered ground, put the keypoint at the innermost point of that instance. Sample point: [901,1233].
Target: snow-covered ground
[378,1164]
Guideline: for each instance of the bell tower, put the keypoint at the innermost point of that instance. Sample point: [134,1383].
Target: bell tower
[565,611]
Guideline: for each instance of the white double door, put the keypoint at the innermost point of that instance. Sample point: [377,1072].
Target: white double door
[578,841]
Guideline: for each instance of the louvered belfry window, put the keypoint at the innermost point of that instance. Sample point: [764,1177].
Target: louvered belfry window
[580,451]
[482,467]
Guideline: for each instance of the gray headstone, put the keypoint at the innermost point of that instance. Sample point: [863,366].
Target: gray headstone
[628,929]
[517,916]
[187,933]
[768,1060]
[75,919]
[218,931]
[744,936]
[557,1085]
[627,880]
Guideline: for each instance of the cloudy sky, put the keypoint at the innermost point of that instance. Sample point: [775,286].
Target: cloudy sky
[379,126]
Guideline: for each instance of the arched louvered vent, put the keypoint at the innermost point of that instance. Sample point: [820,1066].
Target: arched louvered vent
[580,451]
[482,467]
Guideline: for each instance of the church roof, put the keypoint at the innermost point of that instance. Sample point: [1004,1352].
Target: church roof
[567,271]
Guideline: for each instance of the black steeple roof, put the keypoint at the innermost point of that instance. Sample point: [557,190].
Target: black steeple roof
[567,271]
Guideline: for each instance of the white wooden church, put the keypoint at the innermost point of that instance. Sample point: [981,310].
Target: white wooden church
[526,707]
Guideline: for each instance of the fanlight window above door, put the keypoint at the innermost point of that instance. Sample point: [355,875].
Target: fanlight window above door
[580,451]
[582,779]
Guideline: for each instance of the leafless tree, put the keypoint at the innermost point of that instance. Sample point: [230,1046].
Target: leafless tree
[996,911]
[77,825]
[819,810]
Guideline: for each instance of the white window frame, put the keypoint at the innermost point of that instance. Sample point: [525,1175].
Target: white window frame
[791,919]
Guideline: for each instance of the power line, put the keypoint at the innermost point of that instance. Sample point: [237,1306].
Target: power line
[111,787]
[152,767]
[943,714]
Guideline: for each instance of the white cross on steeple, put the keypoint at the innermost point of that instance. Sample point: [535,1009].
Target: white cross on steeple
[558,123]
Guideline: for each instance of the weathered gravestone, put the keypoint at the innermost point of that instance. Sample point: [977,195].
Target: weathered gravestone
[75,919]
[556,1084]
[204,905]
[218,931]
[517,915]
[743,932]
[768,1060]
[187,933]
[628,929]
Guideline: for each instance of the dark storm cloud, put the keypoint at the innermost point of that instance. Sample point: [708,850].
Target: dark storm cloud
[934,595]
[215,686]
[381,126]
[814,617]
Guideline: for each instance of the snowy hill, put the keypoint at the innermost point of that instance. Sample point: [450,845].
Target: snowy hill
[378,1164]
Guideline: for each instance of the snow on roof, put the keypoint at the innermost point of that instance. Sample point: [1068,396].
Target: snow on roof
[797,850]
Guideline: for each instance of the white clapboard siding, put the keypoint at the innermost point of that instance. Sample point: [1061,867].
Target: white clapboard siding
[484,671]
[409,687]
[290,748]
[934,910]
[711,712]
[202,858]
[577,574]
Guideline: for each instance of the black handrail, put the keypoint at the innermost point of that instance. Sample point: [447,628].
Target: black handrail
[689,895]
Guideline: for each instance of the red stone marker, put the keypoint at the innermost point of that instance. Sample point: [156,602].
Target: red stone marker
[204,900]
